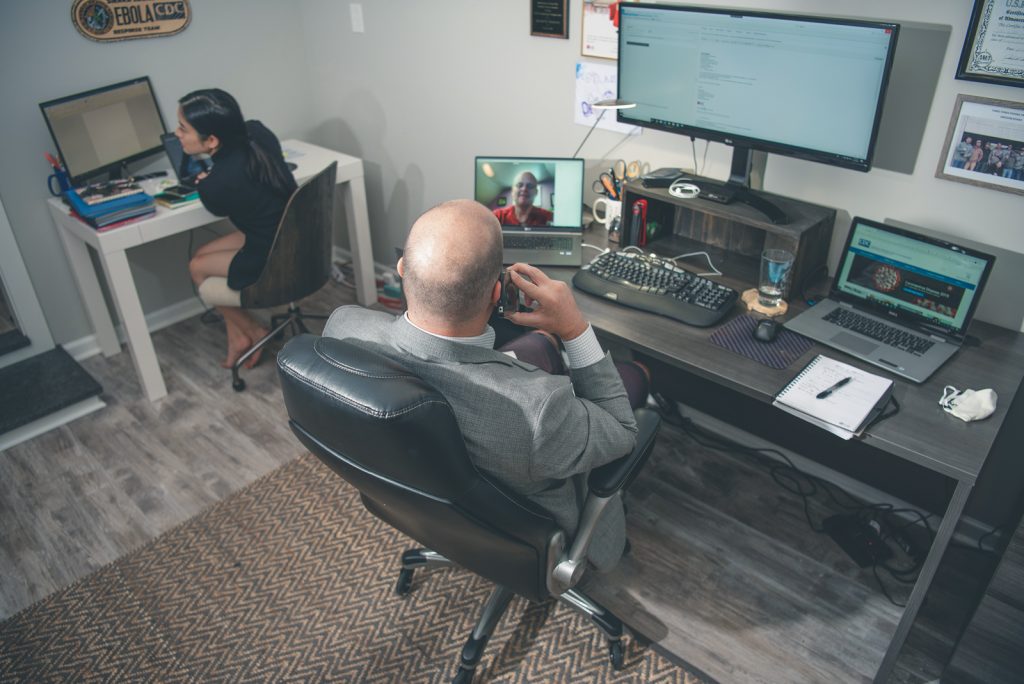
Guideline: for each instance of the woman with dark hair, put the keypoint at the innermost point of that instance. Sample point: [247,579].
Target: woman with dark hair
[250,184]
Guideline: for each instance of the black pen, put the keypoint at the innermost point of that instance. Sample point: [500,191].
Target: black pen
[824,393]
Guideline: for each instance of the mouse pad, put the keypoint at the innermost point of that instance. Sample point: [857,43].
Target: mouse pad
[738,336]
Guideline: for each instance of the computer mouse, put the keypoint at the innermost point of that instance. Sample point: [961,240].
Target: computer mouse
[767,330]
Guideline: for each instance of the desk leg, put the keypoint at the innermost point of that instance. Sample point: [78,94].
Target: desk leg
[126,297]
[358,219]
[89,289]
[924,578]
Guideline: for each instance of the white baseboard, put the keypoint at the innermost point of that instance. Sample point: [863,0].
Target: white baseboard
[86,347]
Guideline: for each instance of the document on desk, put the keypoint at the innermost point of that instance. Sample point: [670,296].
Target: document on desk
[835,396]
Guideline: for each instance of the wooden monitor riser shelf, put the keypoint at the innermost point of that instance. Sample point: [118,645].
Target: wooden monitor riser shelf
[738,229]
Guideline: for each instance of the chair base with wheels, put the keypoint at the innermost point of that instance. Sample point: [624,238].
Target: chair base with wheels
[292,319]
[495,607]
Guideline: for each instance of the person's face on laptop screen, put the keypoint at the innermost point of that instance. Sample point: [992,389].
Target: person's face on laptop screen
[529,193]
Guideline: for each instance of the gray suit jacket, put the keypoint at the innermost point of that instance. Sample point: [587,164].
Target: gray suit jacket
[537,433]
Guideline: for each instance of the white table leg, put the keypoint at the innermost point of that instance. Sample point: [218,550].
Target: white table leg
[358,219]
[140,344]
[89,289]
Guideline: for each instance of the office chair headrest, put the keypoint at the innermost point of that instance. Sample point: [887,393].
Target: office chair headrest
[375,413]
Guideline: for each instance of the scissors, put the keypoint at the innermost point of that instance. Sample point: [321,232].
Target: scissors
[606,185]
[627,171]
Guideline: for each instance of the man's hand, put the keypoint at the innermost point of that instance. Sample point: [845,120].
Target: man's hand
[554,308]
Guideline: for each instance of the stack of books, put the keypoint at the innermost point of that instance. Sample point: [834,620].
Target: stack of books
[104,205]
[178,196]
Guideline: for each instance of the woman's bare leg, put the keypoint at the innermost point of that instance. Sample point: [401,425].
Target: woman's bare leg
[213,259]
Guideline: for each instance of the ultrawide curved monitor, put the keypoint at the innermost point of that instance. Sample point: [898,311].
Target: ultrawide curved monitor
[799,85]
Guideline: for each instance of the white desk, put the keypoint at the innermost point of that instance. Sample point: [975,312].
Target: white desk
[112,247]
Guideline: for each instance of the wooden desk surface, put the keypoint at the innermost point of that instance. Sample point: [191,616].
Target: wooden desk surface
[921,433]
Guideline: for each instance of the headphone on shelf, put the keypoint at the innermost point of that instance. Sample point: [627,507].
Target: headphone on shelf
[683,189]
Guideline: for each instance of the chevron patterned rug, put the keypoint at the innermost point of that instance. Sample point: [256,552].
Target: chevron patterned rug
[291,579]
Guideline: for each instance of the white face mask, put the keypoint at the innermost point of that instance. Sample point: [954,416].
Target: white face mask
[969,404]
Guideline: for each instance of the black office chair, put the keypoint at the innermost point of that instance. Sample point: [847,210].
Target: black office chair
[395,439]
[298,264]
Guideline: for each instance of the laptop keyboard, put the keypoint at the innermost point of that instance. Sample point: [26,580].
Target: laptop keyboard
[876,330]
[544,242]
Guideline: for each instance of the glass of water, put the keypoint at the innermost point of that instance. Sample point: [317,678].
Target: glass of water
[773,286]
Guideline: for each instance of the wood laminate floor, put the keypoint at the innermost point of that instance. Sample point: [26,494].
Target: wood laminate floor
[724,572]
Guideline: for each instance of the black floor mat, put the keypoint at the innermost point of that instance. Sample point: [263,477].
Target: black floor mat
[41,385]
[12,340]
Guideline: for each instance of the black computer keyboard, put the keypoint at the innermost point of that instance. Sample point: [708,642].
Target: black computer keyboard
[655,285]
[886,334]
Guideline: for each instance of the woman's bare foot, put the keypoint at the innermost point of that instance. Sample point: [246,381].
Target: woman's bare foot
[257,334]
[238,343]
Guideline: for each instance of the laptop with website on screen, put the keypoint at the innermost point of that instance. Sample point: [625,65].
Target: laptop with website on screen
[539,203]
[899,300]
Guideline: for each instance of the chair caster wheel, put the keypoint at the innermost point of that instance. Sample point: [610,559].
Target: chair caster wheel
[404,585]
[238,385]
[617,654]
[463,677]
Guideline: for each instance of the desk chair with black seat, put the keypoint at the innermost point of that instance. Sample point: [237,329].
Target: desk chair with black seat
[395,438]
[299,264]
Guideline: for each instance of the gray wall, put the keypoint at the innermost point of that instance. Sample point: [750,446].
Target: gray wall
[256,55]
[428,86]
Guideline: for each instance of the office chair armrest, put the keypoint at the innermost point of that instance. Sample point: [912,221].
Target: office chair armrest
[611,477]
[604,483]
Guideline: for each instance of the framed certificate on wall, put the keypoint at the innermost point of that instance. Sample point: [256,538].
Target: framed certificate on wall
[994,46]
[549,18]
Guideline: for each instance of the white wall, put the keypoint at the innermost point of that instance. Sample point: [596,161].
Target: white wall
[427,87]
[252,49]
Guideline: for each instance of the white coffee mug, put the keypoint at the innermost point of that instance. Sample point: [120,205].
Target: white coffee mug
[612,209]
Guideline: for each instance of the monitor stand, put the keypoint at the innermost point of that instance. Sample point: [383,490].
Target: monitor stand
[737,189]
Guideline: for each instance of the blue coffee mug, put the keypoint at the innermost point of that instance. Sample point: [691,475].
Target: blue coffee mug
[63,183]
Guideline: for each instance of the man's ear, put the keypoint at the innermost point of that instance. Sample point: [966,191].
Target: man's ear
[400,267]
[496,293]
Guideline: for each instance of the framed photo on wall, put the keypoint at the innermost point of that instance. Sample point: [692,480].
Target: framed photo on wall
[985,144]
[993,49]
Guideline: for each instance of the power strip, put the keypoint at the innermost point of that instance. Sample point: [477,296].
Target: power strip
[858,538]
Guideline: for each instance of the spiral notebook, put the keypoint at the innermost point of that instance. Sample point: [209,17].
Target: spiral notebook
[835,396]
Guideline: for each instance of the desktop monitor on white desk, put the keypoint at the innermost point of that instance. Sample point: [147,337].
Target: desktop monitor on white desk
[103,129]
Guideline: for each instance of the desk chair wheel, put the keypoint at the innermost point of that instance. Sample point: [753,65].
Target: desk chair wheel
[238,384]
[617,654]
[463,677]
[404,584]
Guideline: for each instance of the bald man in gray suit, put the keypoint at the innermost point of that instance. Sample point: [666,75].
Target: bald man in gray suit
[535,432]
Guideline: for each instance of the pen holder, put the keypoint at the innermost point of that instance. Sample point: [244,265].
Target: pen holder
[58,182]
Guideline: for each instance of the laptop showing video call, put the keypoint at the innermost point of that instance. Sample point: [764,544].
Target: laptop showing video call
[899,300]
[539,203]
